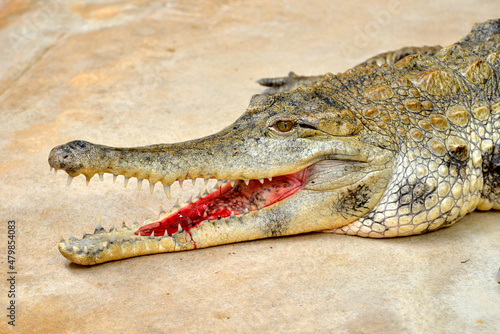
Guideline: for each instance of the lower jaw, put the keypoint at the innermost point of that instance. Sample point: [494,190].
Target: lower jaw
[228,201]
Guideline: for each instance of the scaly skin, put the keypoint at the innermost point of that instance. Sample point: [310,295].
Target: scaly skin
[396,150]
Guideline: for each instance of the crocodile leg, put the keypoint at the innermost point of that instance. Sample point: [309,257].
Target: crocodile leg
[293,81]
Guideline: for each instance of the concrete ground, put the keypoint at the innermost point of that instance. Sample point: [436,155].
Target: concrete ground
[130,73]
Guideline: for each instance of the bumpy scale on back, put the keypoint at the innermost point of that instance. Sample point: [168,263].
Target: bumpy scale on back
[401,149]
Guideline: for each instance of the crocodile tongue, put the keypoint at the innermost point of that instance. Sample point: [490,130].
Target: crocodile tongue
[227,200]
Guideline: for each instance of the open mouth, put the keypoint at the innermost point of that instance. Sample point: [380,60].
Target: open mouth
[233,199]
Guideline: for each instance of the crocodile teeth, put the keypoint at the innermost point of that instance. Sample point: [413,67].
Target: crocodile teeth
[270,178]
[70,178]
[125,181]
[114,178]
[232,183]
[166,189]
[206,181]
[193,181]
[151,188]
[112,237]
[219,183]
[87,180]
[139,184]
[261,181]
[61,238]
[98,225]
[161,210]
[179,228]
[247,181]
[176,205]
[101,176]
[246,210]
[180,183]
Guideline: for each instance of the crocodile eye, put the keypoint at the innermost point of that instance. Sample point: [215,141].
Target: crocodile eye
[284,126]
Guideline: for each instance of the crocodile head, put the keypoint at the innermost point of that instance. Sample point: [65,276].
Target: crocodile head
[297,162]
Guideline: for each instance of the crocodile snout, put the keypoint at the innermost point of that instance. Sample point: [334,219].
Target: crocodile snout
[68,156]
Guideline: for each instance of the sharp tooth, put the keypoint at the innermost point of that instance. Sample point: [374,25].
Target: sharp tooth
[179,228]
[206,181]
[87,180]
[152,236]
[246,210]
[261,181]
[51,168]
[114,178]
[98,225]
[232,183]
[68,246]
[232,215]
[193,181]
[139,184]
[61,238]
[70,178]
[135,223]
[247,182]
[219,183]
[180,183]
[189,221]
[112,228]
[161,210]
[124,226]
[166,189]
[151,188]
[270,178]
[205,214]
[176,205]
[71,237]
[101,247]
[85,250]
[55,171]
[112,237]
[125,181]
[101,176]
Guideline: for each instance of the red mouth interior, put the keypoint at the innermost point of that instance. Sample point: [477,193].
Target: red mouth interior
[227,200]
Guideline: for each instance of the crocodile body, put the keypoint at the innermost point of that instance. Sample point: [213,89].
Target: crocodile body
[403,144]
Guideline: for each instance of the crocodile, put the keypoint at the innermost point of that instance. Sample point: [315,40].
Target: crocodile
[403,144]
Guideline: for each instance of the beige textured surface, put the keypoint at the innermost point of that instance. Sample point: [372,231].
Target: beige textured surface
[131,73]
